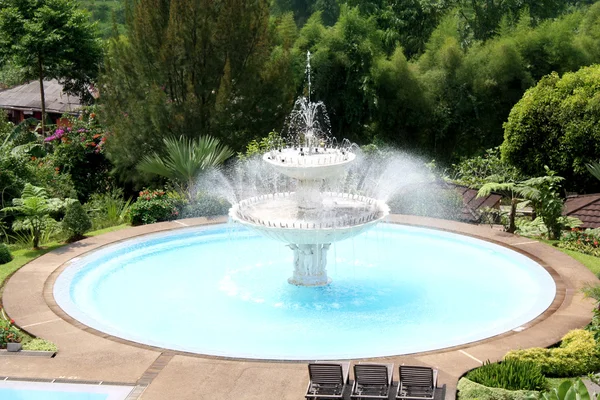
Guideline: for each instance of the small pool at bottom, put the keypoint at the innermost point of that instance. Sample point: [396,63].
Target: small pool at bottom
[24,390]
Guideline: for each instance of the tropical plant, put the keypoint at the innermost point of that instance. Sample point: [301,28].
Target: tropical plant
[594,169]
[184,160]
[33,210]
[510,190]
[543,192]
[568,391]
[511,374]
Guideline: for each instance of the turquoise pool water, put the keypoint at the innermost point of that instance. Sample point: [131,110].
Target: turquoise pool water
[19,390]
[223,291]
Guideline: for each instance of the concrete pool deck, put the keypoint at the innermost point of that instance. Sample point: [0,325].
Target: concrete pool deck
[87,355]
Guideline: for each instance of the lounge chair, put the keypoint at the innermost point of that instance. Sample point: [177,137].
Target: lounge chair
[372,381]
[327,380]
[416,383]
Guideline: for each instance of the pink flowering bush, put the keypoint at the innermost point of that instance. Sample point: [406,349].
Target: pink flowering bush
[77,149]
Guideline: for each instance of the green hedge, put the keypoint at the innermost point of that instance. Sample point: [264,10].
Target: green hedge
[577,355]
[468,389]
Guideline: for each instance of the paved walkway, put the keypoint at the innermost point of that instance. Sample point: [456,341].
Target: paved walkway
[88,355]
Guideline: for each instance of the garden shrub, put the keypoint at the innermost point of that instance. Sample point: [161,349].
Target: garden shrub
[577,355]
[5,255]
[76,221]
[206,206]
[468,389]
[77,149]
[584,241]
[9,333]
[153,206]
[39,345]
[511,374]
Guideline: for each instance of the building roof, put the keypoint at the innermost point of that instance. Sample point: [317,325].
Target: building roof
[472,204]
[27,98]
[586,208]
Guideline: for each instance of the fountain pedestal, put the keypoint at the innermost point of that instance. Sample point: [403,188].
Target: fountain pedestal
[310,264]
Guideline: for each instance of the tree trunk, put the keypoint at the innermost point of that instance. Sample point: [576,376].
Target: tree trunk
[511,216]
[36,240]
[42,95]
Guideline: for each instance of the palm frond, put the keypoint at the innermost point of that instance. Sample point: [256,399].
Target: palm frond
[594,169]
[185,159]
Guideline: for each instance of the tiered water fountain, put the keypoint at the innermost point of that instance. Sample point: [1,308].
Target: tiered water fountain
[309,220]
[408,289]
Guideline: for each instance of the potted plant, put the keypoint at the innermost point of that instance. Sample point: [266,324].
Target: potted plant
[13,342]
[10,338]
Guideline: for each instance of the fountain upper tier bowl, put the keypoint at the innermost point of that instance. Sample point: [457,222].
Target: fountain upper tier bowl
[309,164]
[278,216]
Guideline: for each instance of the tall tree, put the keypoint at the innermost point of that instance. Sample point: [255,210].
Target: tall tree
[187,68]
[50,39]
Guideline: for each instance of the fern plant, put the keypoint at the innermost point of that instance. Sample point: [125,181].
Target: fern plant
[33,210]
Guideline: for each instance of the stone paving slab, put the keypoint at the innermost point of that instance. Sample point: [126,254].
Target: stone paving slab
[86,354]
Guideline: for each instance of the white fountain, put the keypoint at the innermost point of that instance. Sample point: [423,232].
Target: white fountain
[308,219]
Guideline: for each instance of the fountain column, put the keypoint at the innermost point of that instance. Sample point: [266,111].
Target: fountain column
[310,264]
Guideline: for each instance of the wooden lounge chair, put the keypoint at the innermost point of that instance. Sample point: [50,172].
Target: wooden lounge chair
[416,383]
[372,381]
[327,380]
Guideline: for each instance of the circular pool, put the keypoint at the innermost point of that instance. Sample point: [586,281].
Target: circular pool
[223,291]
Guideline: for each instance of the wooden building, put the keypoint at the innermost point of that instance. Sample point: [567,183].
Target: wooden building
[21,102]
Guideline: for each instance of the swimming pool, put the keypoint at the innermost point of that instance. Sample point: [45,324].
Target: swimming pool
[22,390]
[223,291]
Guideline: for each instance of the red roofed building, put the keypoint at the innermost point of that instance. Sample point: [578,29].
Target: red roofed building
[586,208]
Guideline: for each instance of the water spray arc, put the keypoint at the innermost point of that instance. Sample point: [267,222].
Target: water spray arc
[309,220]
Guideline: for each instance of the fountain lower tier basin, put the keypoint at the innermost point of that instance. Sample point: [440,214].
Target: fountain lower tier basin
[279,216]
[223,291]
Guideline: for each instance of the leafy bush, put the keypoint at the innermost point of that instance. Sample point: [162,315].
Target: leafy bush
[39,345]
[5,255]
[76,221]
[206,206]
[584,241]
[78,151]
[511,374]
[153,206]
[468,389]
[577,355]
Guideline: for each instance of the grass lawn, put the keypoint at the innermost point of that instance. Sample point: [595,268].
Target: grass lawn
[23,256]
[592,263]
